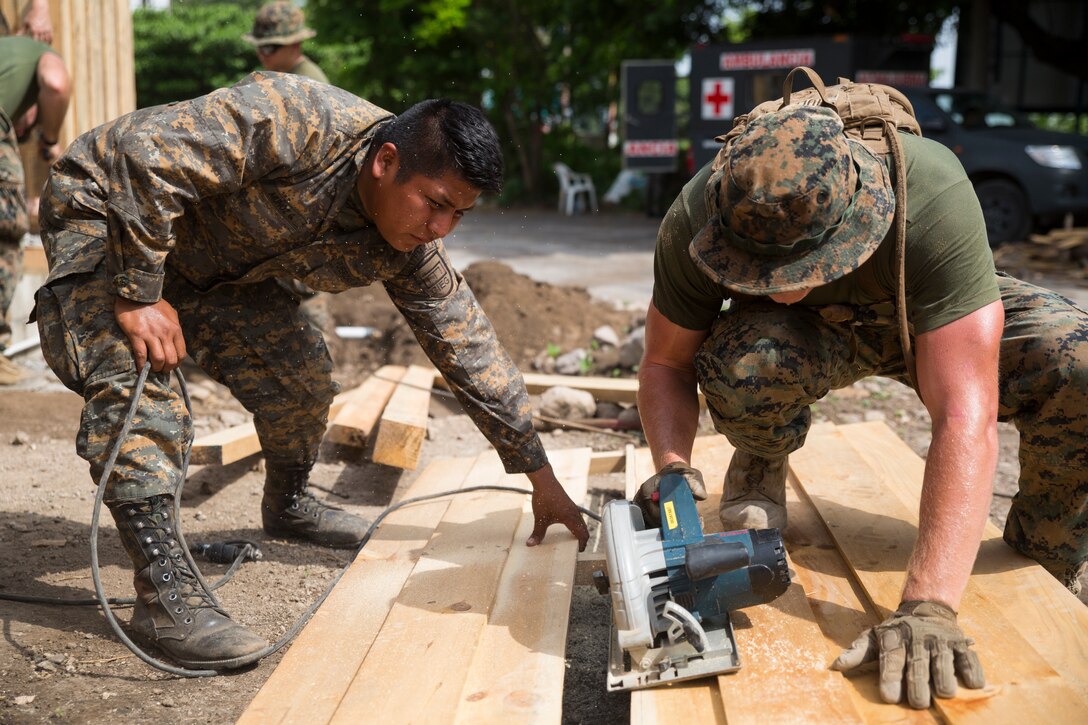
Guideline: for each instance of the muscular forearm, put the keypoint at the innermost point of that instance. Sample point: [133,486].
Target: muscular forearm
[955,502]
[668,403]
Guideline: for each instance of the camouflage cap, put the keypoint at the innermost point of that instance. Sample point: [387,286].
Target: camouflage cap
[278,23]
[797,204]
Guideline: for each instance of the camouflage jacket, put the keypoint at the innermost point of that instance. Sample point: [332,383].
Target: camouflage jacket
[258,181]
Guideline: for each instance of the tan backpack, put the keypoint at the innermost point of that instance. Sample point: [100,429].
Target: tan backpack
[873,114]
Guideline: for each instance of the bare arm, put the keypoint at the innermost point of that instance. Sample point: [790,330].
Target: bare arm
[668,398]
[957,374]
[37,22]
[54,92]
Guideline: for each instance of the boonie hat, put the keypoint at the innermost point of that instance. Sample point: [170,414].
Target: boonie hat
[797,204]
[279,23]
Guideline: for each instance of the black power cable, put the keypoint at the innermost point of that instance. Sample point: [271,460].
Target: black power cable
[223,552]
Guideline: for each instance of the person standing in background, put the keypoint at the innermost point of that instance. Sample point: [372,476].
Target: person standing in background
[278,32]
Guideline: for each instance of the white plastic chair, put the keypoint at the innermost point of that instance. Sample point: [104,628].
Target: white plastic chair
[571,186]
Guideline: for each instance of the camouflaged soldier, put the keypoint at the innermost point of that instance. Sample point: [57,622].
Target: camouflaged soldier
[278,32]
[34,93]
[166,230]
[794,232]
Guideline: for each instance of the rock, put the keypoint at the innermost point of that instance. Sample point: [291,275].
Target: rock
[632,348]
[231,418]
[20,439]
[567,403]
[45,666]
[545,363]
[571,363]
[607,358]
[630,419]
[608,410]
[49,543]
[24,699]
[872,416]
[605,335]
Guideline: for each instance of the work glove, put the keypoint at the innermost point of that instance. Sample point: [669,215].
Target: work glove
[647,496]
[919,643]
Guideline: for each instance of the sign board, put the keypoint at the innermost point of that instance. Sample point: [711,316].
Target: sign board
[730,80]
[649,115]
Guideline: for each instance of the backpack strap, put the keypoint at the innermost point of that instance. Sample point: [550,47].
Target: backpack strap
[900,225]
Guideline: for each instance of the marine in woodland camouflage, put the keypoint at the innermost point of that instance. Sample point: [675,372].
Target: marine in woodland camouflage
[765,364]
[205,203]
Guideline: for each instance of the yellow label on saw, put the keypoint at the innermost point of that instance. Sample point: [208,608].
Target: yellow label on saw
[670,514]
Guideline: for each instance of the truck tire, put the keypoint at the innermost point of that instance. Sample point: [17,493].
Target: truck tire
[1005,209]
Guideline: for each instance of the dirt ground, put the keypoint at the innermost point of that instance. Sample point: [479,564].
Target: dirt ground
[64,665]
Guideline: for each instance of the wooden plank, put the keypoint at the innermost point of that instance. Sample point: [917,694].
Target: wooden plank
[784,675]
[874,531]
[225,446]
[615,390]
[416,667]
[607,462]
[240,441]
[685,703]
[34,261]
[403,425]
[317,670]
[1048,616]
[355,421]
[518,666]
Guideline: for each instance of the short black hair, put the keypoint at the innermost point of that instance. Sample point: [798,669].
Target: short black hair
[440,135]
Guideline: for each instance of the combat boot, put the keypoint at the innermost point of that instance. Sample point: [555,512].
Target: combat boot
[173,609]
[288,510]
[755,493]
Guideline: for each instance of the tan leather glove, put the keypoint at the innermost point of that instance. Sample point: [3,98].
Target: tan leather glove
[646,498]
[919,644]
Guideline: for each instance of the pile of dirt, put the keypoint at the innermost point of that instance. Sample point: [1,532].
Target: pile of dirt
[529,317]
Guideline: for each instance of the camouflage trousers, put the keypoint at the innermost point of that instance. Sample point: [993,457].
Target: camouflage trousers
[764,364]
[13,222]
[250,338]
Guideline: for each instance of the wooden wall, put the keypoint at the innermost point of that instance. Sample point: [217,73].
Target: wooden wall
[95,39]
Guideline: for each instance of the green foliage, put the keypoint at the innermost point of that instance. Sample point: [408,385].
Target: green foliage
[546,71]
[190,50]
[778,18]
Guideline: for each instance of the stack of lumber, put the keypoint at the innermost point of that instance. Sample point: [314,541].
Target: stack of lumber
[447,617]
[1062,252]
[389,410]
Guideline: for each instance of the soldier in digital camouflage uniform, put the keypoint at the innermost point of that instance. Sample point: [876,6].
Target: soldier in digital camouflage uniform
[166,230]
[794,231]
[34,92]
[278,31]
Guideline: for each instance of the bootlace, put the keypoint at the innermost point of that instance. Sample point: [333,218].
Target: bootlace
[185,588]
[757,466]
[306,504]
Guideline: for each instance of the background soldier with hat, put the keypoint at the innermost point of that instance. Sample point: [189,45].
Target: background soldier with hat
[278,32]
[794,231]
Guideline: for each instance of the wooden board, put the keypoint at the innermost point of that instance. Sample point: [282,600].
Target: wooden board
[354,422]
[240,441]
[874,531]
[445,616]
[852,495]
[403,424]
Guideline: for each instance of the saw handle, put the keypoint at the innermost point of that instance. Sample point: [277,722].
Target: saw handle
[710,558]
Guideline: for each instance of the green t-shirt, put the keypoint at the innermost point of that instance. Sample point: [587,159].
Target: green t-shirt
[308,68]
[949,267]
[19,58]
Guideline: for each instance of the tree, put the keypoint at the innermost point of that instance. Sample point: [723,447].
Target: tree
[540,68]
[190,50]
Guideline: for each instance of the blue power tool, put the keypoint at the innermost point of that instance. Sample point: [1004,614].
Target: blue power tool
[673,588]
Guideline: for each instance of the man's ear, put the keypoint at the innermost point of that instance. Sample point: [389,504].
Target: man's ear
[386,162]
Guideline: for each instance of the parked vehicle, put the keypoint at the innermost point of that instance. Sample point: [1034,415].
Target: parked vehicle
[1025,177]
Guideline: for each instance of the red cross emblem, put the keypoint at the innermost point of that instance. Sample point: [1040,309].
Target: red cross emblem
[717,98]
